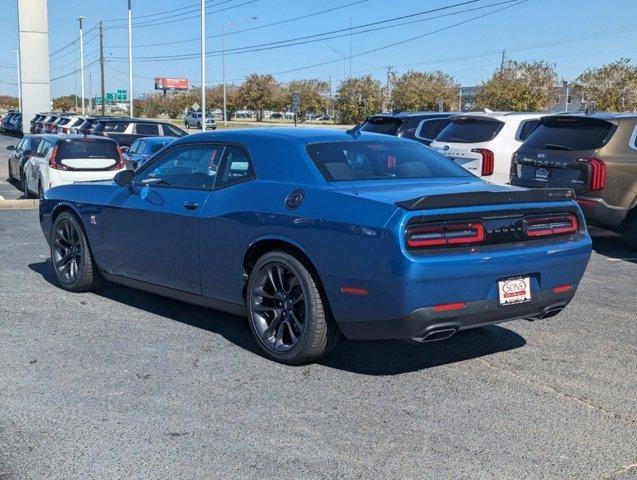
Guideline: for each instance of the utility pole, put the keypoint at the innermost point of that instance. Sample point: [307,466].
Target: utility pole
[223,72]
[130,60]
[81,20]
[350,47]
[203,65]
[502,62]
[460,99]
[102,89]
[17,62]
[388,89]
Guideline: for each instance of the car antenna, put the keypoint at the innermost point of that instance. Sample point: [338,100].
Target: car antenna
[356,131]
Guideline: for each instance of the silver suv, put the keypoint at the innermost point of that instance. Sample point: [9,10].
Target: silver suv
[193,119]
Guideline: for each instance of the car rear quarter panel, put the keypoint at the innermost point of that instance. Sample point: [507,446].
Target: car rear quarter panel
[621,165]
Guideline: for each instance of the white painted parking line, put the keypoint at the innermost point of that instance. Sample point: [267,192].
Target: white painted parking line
[622,259]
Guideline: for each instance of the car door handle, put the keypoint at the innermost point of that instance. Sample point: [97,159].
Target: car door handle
[190,205]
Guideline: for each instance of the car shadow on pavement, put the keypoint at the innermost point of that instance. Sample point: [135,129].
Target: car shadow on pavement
[612,245]
[386,357]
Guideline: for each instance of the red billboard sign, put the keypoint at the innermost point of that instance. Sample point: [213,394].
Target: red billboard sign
[165,83]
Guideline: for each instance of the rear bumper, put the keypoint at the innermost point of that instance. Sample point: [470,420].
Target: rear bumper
[598,212]
[475,314]
[66,178]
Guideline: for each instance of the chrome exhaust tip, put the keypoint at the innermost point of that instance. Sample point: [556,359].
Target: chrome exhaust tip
[435,335]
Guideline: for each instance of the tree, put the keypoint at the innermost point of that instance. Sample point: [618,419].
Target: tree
[314,96]
[612,87]
[67,103]
[258,93]
[7,101]
[357,98]
[521,86]
[423,90]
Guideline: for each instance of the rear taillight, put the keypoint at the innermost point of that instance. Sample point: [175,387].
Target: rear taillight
[53,163]
[547,226]
[488,161]
[598,174]
[121,163]
[445,234]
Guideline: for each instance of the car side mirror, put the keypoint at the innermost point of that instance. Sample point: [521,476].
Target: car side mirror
[132,164]
[11,147]
[124,148]
[124,178]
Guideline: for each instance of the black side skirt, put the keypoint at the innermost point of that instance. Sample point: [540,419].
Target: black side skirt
[228,307]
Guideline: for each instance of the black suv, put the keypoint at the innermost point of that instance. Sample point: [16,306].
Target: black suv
[126,130]
[420,126]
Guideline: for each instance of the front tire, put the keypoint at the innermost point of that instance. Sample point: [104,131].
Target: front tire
[630,232]
[288,317]
[71,256]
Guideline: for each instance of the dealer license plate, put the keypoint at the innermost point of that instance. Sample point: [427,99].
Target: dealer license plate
[514,290]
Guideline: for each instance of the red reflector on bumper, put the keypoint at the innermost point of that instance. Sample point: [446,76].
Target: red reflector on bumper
[445,307]
[353,291]
[562,289]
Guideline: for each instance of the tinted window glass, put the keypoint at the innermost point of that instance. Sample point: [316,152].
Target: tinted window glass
[340,161]
[87,148]
[184,167]
[430,128]
[527,129]
[32,144]
[114,127]
[386,125]
[147,129]
[134,147]
[156,147]
[470,130]
[172,130]
[237,168]
[570,133]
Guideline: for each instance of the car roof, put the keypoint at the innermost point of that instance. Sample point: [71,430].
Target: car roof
[413,114]
[163,139]
[502,116]
[302,135]
[55,137]
[598,115]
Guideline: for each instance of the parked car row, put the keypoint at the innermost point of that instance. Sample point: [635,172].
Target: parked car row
[595,155]
[11,123]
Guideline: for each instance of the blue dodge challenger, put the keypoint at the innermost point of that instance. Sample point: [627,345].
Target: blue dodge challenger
[316,233]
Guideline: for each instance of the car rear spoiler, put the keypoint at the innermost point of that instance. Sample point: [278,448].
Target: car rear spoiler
[469,199]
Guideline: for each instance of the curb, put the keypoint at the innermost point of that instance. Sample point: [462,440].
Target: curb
[19,204]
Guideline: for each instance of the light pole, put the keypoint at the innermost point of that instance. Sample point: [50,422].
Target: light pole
[223,60]
[81,20]
[340,54]
[203,65]
[130,59]
[17,60]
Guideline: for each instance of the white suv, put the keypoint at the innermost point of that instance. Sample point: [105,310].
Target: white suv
[484,143]
[194,120]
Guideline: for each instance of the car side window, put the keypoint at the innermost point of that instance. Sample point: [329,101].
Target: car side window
[40,152]
[428,129]
[171,130]
[141,147]
[188,166]
[133,147]
[527,128]
[21,147]
[147,129]
[236,168]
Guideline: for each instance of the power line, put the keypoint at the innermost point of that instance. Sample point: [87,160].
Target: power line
[94,62]
[326,35]
[196,6]
[76,40]
[259,27]
[163,21]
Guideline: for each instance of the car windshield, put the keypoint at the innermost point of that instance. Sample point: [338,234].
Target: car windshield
[470,130]
[570,133]
[386,125]
[378,160]
[87,148]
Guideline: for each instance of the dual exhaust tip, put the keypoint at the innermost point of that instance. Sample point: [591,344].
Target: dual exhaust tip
[442,333]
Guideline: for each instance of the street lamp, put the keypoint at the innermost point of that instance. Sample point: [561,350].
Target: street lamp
[81,20]
[130,60]
[340,54]
[203,65]
[223,59]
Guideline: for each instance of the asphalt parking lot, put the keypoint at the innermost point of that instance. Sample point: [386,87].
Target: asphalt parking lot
[125,384]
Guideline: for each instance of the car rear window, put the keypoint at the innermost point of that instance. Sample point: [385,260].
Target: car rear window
[527,129]
[116,127]
[385,125]
[157,147]
[361,160]
[470,130]
[87,148]
[147,129]
[429,129]
[570,133]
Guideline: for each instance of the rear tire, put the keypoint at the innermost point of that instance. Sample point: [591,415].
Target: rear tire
[198,124]
[10,178]
[288,316]
[71,256]
[25,187]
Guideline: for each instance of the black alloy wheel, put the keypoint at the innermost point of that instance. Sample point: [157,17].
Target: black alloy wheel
[278,307]
[288,317]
